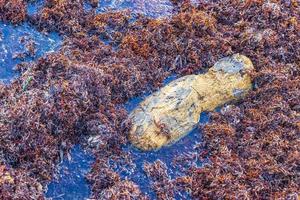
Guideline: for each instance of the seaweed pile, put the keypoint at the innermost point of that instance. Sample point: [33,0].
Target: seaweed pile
[76,95]
[13,11]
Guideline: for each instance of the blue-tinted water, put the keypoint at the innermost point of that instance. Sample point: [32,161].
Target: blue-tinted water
[71,183]
[13,40]
[34,7]
[105,5]
[150,8]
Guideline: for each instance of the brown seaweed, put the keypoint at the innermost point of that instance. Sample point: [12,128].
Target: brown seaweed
[74,95]
[13,11]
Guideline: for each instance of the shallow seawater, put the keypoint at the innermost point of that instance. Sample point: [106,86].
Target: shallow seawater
[71,183]
[33,7]
[13,40]
[150,8]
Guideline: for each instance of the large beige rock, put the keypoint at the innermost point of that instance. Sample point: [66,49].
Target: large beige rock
[173,111]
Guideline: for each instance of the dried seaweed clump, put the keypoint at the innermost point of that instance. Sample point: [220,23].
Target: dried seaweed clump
[255,147]
[161,182]
[123,190]
[17,183]
[94,3]
[107,184]
[64,101]
[63,16]
[13,11]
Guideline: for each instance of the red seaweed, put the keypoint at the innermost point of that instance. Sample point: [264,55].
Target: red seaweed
[75,95]
[13,11]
